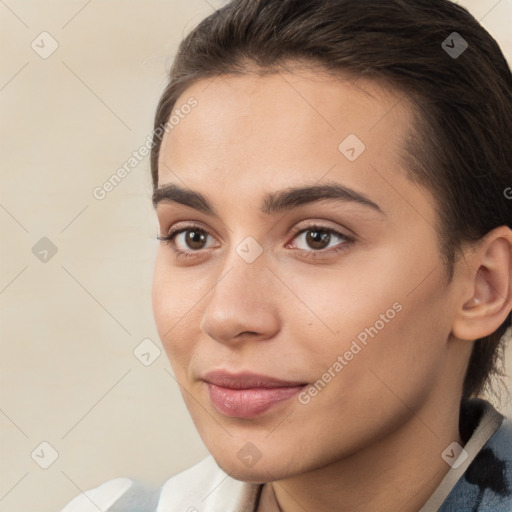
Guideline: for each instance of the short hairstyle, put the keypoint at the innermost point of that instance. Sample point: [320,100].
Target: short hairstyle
[460,148]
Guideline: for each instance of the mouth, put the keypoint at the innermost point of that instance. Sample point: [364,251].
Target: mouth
[247,395]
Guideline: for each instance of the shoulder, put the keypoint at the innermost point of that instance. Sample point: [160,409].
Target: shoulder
[486,485]
[501,440]
[202,485]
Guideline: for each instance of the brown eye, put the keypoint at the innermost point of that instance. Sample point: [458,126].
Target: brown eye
[318,239]
[195,239]
[186,240]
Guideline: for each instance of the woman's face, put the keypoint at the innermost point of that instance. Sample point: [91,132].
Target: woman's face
[300,330]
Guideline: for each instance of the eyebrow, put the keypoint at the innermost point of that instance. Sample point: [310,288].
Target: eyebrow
[273,202]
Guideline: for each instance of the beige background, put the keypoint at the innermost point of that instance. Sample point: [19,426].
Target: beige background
[69,326]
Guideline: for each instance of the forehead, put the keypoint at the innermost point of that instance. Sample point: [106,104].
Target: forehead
[296,111]
[250,133]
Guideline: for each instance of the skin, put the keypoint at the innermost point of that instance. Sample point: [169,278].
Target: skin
[392,410]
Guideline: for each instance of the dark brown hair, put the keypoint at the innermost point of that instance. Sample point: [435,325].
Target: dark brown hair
[461,145]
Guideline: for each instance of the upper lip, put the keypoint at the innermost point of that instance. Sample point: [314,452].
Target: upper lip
[246,380]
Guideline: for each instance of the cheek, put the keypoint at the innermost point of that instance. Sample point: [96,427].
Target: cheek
[373,315]
[340,303]
[160,295]
[384,364]
[173,303]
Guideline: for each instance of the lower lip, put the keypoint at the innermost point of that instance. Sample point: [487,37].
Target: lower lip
[248,403]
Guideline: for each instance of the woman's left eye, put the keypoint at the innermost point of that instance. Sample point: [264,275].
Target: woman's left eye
[317,238]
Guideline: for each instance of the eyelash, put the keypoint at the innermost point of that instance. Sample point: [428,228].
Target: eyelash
[169,240]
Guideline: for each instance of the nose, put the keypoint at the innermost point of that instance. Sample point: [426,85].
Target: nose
[243,303]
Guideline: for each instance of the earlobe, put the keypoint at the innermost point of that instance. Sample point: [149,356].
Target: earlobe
[488,277]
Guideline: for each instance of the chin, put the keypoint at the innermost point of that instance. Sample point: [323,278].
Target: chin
[254,475]
[265,469]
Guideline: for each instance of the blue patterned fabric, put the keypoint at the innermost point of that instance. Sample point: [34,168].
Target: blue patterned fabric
[486,485]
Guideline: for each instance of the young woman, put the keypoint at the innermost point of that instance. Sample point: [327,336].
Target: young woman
[332,180]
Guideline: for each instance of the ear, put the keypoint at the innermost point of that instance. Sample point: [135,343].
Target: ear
[486,286]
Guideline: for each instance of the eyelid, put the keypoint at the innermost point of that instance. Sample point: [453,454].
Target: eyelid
[323,224]
[179,227]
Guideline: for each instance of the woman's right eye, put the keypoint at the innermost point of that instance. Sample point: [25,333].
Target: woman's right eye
[179,239]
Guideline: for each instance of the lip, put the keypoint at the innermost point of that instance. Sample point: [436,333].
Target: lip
[247,395]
